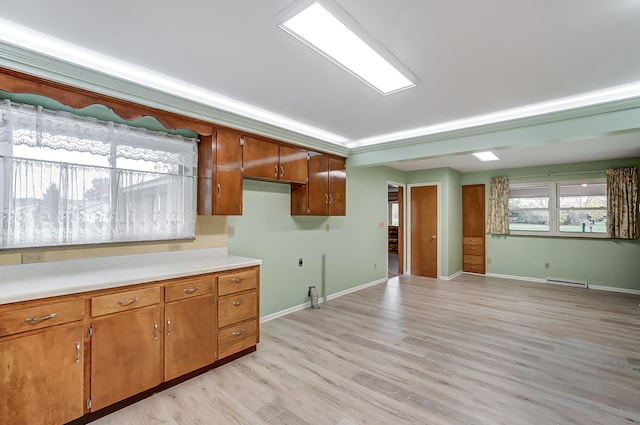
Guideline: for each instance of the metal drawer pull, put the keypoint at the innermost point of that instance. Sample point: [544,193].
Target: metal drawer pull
[237,279]
[168,327]
[473,248]
[218,189]
[238,333]
[276,168]
[237,303]
[281,171]
[125,303]
[39,319]
[155,332]
[78,352]
[191,290]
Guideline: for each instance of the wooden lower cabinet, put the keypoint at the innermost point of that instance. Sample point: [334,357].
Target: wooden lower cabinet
[42,376]
[190,335]
[125,355]
[134,339]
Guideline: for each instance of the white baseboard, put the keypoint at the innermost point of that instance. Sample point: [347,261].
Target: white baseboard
[525,278]
[453,276]
[614,289]
[595,287]
[293,309]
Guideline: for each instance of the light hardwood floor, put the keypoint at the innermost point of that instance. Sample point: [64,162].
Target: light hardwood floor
[475,350]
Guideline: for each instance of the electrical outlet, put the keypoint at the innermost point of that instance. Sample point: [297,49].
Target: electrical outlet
[326,227]
[175,247]
[547,265]
[381,224]
[34,257]
[231,232]
[488,260]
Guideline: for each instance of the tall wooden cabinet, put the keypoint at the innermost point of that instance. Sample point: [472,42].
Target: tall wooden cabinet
[473,228]
[325,194]
[220,173]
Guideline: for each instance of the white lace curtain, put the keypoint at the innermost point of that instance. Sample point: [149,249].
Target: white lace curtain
[68,180]
[498,218]
[622,211]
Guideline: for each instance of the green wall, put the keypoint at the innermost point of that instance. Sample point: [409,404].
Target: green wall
[601,262]
[354,248]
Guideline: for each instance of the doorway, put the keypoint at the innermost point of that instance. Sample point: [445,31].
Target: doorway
[424,246]
[395,228]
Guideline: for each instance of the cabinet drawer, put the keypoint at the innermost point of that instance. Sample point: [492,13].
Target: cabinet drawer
[473,259]
[190,287]
[472,241]
[236,308]
[26,319]
[237,338]
[237,282]
[473,249]
[123,301]
[473,268]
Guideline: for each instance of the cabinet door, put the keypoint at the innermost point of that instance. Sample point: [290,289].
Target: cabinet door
[125,355]
[228,189]
[318,185]
[42,377]
[260,159]
[190,335]
[206,174]
[293,165]
[337,186]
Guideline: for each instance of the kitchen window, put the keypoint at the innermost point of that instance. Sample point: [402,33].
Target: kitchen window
[574,209]
[69,180]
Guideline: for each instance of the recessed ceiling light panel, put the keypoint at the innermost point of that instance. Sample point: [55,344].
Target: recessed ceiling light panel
[332,32]
[486,156]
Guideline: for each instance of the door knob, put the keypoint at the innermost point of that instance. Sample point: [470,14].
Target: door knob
[433,236]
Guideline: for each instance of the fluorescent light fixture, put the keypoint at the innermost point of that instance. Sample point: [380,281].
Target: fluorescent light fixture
[332,32]
[486,156]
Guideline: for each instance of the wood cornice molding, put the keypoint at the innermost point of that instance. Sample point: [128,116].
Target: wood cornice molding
[18,82]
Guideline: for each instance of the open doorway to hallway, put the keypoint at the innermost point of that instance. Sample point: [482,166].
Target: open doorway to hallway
[395,226]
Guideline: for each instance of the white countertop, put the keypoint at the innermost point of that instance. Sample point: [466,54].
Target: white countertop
[32,281]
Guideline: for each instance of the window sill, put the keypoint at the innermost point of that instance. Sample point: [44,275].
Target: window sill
[564,235]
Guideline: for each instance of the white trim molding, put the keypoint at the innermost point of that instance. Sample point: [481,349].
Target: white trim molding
[302,306]
[595,287]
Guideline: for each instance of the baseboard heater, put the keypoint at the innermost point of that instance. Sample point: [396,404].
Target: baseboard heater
[567,282]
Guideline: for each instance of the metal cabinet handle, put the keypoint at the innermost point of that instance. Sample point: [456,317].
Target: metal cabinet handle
[155,330]
[125,303]
[39,319]
[237,279]
[473,248]
[237,303]
[238,333]
[191,290]
[330,198]
[276,168]
[281,171]
[78,352]
[326,198]
[218,186]
[168,327]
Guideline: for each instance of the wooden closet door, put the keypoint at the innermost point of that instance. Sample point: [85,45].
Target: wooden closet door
[424,231]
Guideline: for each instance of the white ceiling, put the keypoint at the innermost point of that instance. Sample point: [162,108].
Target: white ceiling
[472,57]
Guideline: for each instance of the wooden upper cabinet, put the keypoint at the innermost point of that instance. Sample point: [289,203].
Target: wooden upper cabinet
[473,248]
[270,161]
[220,174]
[325,193]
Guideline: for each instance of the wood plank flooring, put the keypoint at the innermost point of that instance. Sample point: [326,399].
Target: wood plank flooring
[475,350]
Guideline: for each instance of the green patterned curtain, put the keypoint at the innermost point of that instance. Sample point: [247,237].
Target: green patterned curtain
[498,219]
[622,210]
